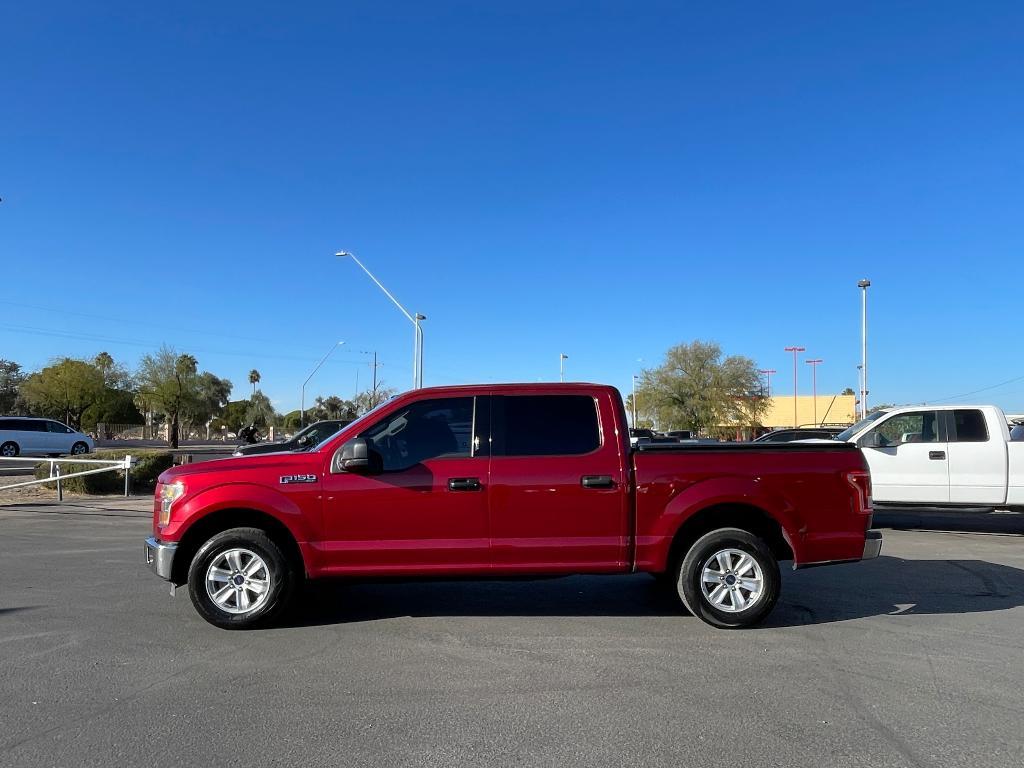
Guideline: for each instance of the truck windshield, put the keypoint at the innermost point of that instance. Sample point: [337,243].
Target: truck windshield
[849,432]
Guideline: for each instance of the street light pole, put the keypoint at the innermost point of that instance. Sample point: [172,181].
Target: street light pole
[814,384]
[302,404]
[860,390]
[417,343]
[561,366]
[795,350]
[768,378]
[864,285]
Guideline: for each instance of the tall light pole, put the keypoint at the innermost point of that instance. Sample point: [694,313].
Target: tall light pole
[561,366]
[302,406]
[860,390]
[864,285]
[417,340]
[795,351]
[768,378]
[814,384]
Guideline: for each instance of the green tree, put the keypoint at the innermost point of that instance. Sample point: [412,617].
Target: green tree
[848,391]
[64,389]
[116,405]
[697,389]
[11,379]
[212,396]
[332,407]
[371,398]
[254,379]
[260,411]
[171,385]
[232,416]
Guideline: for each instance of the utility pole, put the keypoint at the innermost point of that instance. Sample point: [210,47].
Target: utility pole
[768,378]
[814,384]
[795,351]
[561,366]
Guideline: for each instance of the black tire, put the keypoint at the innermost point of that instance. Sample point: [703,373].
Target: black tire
[79,449]
[10,449]
[279,572]
[730,613]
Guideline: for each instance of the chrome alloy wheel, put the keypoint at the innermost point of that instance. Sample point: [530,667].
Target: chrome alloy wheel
[238,581]
[731,580]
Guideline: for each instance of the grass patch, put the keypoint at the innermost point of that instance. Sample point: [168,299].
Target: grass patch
[148,466]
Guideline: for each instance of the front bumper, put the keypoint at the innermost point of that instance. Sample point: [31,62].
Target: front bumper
[872,545]
[160,557]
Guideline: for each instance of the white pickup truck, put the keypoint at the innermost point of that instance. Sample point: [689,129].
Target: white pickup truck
[941,455]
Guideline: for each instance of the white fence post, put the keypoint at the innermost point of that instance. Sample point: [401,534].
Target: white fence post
[127,474]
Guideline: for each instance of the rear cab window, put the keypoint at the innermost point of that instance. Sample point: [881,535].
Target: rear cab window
[969,426]
[546,425]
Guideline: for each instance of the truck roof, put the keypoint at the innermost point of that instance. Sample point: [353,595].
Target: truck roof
[513,387]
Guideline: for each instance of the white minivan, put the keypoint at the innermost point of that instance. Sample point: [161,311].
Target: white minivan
[40,437]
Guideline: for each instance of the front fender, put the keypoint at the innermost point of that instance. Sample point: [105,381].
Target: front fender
[238,496]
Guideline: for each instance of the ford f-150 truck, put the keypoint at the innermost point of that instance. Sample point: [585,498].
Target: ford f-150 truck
[941,456]
[509,480]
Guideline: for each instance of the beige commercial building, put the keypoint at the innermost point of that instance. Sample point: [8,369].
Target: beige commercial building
[829,409]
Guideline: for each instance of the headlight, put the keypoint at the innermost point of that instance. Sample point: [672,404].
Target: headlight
[168,495]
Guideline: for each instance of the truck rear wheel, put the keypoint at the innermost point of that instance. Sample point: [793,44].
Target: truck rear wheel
[729,578]
[240,579]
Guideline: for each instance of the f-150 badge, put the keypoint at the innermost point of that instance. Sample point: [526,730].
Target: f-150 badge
[286,479]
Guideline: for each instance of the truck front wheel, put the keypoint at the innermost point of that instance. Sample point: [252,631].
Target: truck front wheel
[240,579]
[729,578]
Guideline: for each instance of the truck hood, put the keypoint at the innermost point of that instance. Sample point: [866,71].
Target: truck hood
[284,460]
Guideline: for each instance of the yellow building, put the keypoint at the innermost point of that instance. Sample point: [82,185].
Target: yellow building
[829,409]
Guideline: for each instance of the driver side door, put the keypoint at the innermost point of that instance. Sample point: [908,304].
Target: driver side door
[908,456]
[426,512]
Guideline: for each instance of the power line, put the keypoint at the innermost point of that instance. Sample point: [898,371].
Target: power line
[976,391]
[101,339]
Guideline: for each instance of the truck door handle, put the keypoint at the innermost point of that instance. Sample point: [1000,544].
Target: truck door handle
[597,481]
[464,484]
[937,455]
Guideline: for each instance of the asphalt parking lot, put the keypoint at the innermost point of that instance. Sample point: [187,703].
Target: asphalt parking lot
[914,659]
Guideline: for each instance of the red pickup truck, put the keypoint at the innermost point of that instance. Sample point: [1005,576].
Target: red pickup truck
[506,480]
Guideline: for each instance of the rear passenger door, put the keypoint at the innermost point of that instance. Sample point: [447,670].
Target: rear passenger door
[977,459]
[559,489]
[31,435]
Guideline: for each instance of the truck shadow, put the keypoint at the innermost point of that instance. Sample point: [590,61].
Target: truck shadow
[886,586]
[967,522]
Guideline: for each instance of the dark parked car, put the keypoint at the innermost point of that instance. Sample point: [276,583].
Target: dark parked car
[308,438]
[803,433]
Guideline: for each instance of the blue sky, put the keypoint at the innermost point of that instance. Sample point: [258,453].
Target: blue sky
[603,179]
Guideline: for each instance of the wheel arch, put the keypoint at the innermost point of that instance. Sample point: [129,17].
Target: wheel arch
[747,517]
[236,517]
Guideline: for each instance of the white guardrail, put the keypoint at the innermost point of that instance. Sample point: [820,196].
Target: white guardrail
[108,465]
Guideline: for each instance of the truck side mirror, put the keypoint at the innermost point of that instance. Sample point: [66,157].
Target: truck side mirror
[357,456]
[872,439]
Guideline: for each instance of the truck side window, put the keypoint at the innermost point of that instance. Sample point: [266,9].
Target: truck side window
[916,427]
[547,425]
[428,429]
[970,426]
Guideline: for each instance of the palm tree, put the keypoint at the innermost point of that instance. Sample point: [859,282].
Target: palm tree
[254,379]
